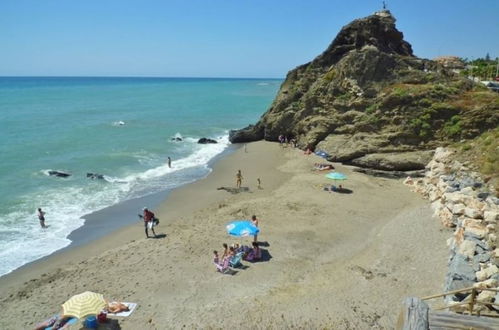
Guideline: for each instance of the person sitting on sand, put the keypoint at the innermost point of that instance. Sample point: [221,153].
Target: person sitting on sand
[216,258]
[254,254]
[232,252]
[226,251]
[308,151]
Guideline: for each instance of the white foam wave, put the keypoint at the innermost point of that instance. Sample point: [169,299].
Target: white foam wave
[21,238]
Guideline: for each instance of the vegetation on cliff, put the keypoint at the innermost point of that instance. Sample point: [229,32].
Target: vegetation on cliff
[482,154]
[368,94]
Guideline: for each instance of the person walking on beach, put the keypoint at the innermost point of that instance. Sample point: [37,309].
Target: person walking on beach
[254,220]
[259,183]
[148,221]
[239,179]
[169,162]
[41,217]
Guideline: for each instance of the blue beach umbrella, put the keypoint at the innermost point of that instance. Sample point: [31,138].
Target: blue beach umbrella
[336,176]
[242,228]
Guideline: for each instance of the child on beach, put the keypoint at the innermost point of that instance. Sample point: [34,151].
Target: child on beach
[216,259]
[239,179]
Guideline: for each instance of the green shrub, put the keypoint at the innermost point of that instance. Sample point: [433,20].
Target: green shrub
[344,97]
[453,128]
[372,108]
[330,75]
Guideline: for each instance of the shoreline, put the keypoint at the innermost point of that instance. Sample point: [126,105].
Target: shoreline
[118,216]
[359,253]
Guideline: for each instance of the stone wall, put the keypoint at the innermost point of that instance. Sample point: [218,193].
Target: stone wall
[462,201]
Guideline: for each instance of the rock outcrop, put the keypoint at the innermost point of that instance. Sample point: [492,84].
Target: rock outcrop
[462,201]
[206,141]
[368,94]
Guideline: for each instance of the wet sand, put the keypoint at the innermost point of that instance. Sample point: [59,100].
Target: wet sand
[333,260]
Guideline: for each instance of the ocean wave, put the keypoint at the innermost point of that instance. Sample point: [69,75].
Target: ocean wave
[22,239]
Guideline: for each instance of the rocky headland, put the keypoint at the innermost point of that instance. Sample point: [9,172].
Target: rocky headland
[367,100]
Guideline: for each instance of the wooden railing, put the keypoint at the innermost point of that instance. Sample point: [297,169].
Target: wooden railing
[471,303]
[417,315]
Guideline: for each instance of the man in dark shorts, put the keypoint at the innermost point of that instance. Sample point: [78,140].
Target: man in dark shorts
[148,221]
[41,217]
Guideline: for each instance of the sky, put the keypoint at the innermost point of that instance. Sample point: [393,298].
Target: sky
[216,38]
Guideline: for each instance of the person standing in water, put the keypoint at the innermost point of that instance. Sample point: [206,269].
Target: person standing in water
[169,162]
[239,179]
[41,217]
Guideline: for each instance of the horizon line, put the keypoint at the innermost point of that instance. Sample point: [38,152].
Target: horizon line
[131,76]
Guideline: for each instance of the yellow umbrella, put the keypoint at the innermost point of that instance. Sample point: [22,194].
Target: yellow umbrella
[83,304]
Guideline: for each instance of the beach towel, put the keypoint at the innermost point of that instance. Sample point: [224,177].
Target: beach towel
[131,307]
[71,321]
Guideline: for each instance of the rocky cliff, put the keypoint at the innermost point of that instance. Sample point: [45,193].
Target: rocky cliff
[366,99]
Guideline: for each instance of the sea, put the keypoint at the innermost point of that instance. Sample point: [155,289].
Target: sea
[121,128]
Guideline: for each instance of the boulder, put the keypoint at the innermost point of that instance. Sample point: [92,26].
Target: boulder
[460,269]
[59,174]
[472,213]
[490,283]
[467,249]
[481,258]
[458,209]
[248,134]
[446,217]
[389,174]
[206,141]
[442,155]
[402,161]
[486,273]
[476,231]
[453,197]
[486,296]
[490,216]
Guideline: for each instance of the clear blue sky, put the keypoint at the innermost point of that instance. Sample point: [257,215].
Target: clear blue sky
[215,38]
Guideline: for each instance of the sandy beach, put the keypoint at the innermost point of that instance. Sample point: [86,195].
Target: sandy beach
[337,261]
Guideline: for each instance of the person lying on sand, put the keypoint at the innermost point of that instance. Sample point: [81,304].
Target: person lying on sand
[116,307]
[57,322]
[323,167]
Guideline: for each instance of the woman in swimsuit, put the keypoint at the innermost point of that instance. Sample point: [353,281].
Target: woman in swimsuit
[239,179]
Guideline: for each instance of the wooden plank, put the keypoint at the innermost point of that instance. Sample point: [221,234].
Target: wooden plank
[414,315]
[446,320]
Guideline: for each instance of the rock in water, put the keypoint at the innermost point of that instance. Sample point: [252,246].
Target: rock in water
[368,94]
[59,174]
[94,176]
[206,141]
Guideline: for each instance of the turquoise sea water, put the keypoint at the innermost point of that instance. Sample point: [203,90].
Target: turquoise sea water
[119,127]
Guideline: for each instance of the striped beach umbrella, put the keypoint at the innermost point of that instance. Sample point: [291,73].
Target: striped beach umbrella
[84,304]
